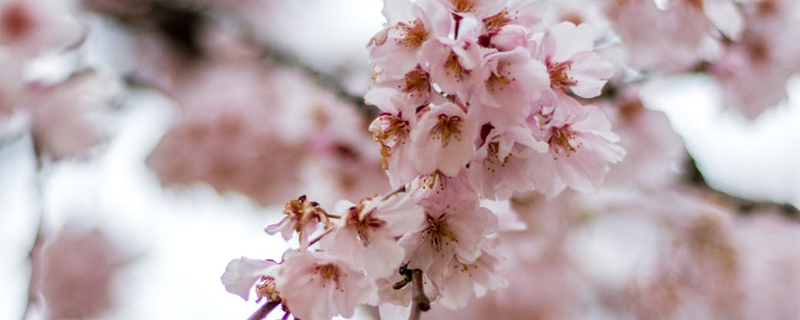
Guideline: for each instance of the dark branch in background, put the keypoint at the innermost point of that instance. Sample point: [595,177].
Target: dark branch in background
[695,178]
[181,27]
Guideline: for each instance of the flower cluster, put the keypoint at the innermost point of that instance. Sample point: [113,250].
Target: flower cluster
[479,102]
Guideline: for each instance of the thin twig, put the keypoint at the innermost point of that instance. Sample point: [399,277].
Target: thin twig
[264,310]
[419,301]
[694,177]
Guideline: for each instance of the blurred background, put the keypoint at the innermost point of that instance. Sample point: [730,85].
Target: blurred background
[144,144]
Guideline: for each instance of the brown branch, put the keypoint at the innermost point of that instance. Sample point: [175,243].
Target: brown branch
[420,301]
[694,177]
[264,310]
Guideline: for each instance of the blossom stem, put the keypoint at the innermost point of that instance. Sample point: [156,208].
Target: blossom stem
[420,301]
[457,18]
[318,238]
[264,310]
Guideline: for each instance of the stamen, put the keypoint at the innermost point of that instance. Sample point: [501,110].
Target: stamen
[415,34]
[455,68]
[500,79]
[439,233]
[559,79]
[446,128]
[364,225]
[329,272]
[418,82]
[562,139]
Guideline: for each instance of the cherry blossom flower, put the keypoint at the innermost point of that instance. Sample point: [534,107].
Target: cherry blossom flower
[367,231]
[753,71]
[393,133]
[438,189]
[455,65]
[410,25]
[454,232]
[502,166]
[567,51]
[67,117]
[512,81]
[302,216]
[444,139]
[76,278]
[242,274]
[463,281]
[317,285]
[415,87]
[582,147]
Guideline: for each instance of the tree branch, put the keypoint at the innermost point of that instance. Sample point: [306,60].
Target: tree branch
[264,310]
[694,177]
[420,301]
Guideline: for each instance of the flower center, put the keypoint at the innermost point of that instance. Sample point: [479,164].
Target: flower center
[562,139]
[364,225]
[463,5]
[392,132]
[266,289]
[304,212]
[446,128]
[500,79]
[329,272]
[492,159]
[497,21]
[439,233]
[418,82]
[415,34]
[559,78]
[430,181]
[455,68]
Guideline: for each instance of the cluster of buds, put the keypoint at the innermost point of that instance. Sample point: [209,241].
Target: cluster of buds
[478,101]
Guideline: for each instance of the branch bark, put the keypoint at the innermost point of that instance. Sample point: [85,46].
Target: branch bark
[264,310]
[419,301]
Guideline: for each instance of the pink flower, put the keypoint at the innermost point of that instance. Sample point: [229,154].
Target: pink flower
[444,139]
[455,65]
[437,189]
[409,26]
[512,81]
[303,217]
[392,130]
[242,274]
[367,231]
[582,147]
[76,274]
[462,281]
[415,87]
[448,233]
[67,117]
[318,286]
[502,166]
[567,51]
